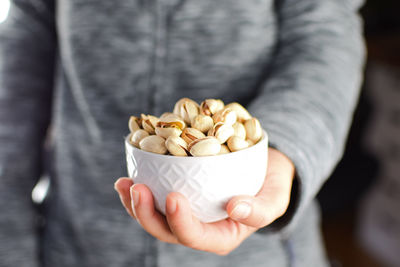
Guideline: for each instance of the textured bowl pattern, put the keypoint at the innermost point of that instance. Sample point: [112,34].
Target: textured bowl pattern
[207,182]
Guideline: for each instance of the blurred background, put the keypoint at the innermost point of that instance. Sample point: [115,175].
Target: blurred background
[361,201]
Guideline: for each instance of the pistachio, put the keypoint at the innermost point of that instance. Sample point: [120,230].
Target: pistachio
[134,123]
[153,143]
[165,114]
[202,123]
[211,106]
[241,112]
[170,125]
[183,132]
[137,136]
[191,134]
[149,123]
[224,150]
[253,129]
[236,143]
[168,131]
[226,115]
[171,120]
[251,143]
[176,146]
[207,146]
[222,132]
[187,109]
[239,130]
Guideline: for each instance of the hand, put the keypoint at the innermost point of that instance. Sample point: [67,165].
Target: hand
[246,213]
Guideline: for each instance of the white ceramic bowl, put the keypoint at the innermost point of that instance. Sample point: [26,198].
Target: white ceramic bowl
[208,182]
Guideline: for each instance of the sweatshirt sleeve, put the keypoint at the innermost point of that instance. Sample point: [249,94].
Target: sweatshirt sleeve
[307,102]
[27,52]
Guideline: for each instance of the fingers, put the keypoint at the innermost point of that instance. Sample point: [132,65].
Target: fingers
[180,226]
[122,186]
[150,219]
[138,202]
[183,225]
[272,200]
[219,237]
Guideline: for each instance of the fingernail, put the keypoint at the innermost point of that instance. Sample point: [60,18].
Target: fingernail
[115,186]
[241,211]
[135,195]
[171,207]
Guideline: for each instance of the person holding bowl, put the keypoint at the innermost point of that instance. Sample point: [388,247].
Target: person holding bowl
[84,67]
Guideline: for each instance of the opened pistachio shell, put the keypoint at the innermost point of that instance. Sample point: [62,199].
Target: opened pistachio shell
[134,123]
[149,123]
[170,125]
[222,132]
[153,143]
[211,106]
[176,146]
[251,143]
[191,134]
[165,114]
[239,130]
[253,129]
[236,143]
[168,131]
[207,146]
[202,123]
[187,109]
[171,120]
[227,116]
[224,150]
[241,112]
[137,136]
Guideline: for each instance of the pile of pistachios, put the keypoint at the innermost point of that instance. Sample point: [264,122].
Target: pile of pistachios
[208,129]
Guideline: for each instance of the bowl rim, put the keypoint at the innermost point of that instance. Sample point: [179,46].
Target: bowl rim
[264,139]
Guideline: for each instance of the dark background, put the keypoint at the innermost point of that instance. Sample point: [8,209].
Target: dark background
[358,171]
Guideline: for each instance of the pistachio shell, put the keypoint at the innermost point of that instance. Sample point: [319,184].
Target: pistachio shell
[211,106]
[171,120]
[149,123]
[241,112]
[202,123]
[224,150]
[236,143]
[134,123]
[165,114]
[239,130]
[251,143]
[153,143]
[222,132]
[227,116]
[191,134]
[137,136]
[187,109]
[253,129]
[207,146]
[167,131]
[176,146]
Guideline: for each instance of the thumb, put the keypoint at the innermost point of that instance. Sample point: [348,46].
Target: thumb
[272,200]
[257,211]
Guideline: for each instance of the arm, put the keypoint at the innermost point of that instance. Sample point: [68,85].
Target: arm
[27,51]
[307,103]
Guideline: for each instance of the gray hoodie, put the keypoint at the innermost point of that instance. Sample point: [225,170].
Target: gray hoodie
[85,66]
